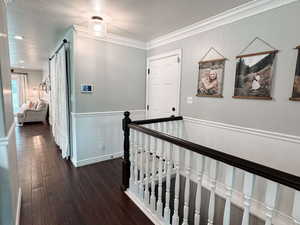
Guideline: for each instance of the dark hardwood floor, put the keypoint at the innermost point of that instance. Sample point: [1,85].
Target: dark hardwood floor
[56,193]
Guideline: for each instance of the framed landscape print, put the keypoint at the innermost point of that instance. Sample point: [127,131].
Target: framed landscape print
[296,86]
[254,73]
[210,78]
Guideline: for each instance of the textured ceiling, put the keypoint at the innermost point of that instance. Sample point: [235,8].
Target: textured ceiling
[42,22]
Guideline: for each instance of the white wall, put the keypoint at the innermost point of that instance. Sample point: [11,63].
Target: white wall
[266,132]
[117,72]
[277,27]
[9,186]
[6,115]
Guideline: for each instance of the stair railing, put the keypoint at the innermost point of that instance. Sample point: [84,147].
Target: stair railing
[155,151]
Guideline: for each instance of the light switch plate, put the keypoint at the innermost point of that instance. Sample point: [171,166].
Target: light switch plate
[189,100]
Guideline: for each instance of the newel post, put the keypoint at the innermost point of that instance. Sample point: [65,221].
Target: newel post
[126,163]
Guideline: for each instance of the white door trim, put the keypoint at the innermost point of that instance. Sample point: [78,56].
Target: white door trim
[177,52]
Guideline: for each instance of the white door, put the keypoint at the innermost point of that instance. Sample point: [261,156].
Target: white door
[163,85]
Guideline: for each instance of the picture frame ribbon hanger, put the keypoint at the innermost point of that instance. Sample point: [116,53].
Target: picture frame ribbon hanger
[216,51]
[274,50]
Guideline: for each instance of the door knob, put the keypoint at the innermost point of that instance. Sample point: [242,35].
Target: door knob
[173,109]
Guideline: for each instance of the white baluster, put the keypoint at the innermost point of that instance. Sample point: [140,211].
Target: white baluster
[167,212]
[131,158]
[200,171]
[187,187]
[212,200]
[175,218]
[270,200]
[248,191]
[166,130]
[142,147]
[159,208]
[136,152]
[229,180]
[296,208]
[147,180]
[153,176]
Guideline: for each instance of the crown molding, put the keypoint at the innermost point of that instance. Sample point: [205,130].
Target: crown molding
[111,38]
[243,11]
[6,1]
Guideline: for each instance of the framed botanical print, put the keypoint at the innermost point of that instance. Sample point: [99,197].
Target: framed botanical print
[210,78]
[254,74]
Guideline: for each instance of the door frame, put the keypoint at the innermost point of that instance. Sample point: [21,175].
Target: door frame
[175,52]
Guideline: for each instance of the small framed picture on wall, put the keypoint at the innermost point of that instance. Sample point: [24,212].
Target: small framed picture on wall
[210,78]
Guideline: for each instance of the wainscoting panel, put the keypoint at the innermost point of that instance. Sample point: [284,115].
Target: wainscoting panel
[9,177]
[276,150]
[98,136]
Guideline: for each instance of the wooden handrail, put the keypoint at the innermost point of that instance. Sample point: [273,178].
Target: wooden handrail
[158,120]
[249,166]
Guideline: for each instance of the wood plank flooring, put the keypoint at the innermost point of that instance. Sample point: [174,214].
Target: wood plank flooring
[56,193]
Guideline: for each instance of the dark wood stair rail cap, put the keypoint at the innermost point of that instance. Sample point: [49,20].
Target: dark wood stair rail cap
[158,120]
[249,166]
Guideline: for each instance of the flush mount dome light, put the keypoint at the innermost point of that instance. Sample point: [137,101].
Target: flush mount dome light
[18,37]
[98,26]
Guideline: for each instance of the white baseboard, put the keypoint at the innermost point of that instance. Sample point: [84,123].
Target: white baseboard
[18,213]
[153,217]
[97,159]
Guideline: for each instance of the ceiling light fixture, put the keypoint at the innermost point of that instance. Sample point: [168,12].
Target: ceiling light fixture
[18,37]
[98,26]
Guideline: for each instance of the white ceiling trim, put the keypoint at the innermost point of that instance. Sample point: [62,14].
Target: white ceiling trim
[111,38]
[243,11]
[6,1]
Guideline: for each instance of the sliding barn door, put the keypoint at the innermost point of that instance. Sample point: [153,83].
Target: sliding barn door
[60,119]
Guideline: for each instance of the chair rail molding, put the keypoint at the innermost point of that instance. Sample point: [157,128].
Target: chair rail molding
[106,113]
[258,132]
[232,15]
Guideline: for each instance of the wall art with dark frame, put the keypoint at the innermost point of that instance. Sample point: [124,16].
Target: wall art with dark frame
[210,78]
[296,86]
[254,74]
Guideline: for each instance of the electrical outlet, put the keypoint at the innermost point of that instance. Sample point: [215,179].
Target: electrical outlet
[189,100]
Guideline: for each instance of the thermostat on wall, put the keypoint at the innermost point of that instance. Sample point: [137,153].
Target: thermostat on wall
[86,88]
